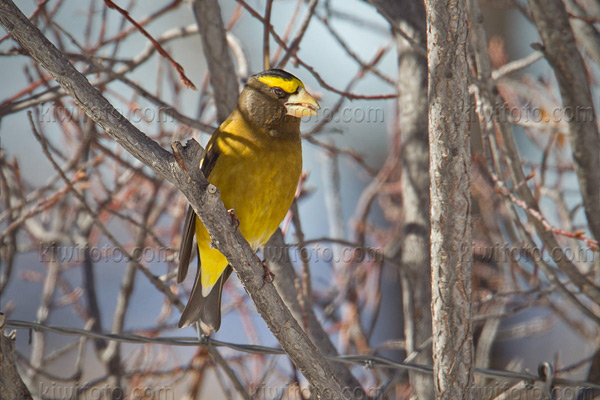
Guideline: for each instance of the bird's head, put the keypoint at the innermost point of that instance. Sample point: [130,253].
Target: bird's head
[278,93]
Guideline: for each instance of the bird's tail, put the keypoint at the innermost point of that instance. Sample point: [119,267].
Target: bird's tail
[207,309]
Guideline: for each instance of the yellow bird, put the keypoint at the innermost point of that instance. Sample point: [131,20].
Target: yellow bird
[255,160]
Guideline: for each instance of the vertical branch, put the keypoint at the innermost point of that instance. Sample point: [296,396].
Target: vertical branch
[483,69]
[450,161]
[415,275]
[112,354]
[266,51]
[413,233]
[43,313]
[8,245]
[333,202]
[304,256]
[220,63]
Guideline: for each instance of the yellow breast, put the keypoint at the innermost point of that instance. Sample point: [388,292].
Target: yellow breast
[257,180]
[257,177]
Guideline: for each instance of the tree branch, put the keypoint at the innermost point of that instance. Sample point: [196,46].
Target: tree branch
[412,235]
[223,79]
[203,197]
[278,258]
[561,51]
[450,162]
[10,381]
[488,104]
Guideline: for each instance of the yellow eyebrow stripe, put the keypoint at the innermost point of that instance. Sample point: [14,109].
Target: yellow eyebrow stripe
[289,85]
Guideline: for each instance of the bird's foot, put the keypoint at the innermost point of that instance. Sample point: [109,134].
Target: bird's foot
[268,277]
[234,219]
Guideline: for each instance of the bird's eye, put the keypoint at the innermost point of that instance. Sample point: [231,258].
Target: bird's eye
[279,92]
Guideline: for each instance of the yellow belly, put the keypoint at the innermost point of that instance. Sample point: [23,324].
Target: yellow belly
[258,183]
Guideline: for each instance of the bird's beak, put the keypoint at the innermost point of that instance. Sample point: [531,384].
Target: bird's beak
[301,104]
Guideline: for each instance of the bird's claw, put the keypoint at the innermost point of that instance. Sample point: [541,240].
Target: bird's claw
[268,277]
[234,219]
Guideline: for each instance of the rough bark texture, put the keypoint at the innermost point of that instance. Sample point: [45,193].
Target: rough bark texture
[224,82]
[203,197]
[220,63]
[450,160]
[409,17]
[278,259]
[11,384]
[560,49]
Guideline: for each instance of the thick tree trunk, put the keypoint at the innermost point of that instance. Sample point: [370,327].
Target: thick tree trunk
[408,17]
[11,384]
[450,162]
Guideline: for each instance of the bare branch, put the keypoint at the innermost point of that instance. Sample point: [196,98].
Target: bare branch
[293,48]
[184,79]
[267,36]
[412,236]
[203,197]
[220,63]
[450,162]
[560,49]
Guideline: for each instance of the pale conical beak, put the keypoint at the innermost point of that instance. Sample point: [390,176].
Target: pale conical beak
[301,104]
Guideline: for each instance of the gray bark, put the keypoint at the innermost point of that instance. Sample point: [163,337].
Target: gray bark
[278,259]
[560,49]
[11,384]
[450,161]
[224,82]
[223,79]
[203,197]
[415,271]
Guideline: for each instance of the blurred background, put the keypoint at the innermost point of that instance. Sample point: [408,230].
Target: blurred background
[351,198]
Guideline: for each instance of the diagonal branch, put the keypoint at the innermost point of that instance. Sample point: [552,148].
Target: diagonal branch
[202,196]
[487,103]
[285,280]
[561,51]
[184,79]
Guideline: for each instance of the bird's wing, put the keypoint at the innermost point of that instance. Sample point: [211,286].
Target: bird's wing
[212,154]
[198,307]
[187,243]
[189,228]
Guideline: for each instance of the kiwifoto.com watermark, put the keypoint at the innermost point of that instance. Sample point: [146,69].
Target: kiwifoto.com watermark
[349,114]
[528,114]
[69,113]
[507,390]
[294,392]
[510,391]
[54,390]
[48,252]
[504,252]
[525,114]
